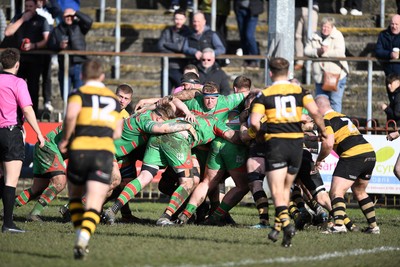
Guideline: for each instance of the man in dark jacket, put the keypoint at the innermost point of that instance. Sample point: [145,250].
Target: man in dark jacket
[210,71]
[202,37]
[388,41]
[171,41]
[70,35]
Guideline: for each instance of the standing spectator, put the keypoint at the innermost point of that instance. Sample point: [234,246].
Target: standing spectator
[175,5]
[209,70]
[223,10]
[301,24]
[330,43]
[15,106]
[390,137]
[74,4]
[388,40]
[392,109]
[50,10]
[29,31]
[171,41]
[357,160]
[70,35]
[3,24]
[90,151]
[247,12]
[355,7]
[281,104]
[202,37]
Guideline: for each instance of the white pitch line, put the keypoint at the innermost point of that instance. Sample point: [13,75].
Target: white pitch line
[325,256]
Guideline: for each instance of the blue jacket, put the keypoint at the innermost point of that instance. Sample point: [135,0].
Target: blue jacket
[386,42]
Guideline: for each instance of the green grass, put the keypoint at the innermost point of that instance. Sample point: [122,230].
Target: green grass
[50,243]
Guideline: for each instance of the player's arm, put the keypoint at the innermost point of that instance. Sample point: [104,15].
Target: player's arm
[232,136]
[187,94]
[145,103]
[317,117]
[118,129]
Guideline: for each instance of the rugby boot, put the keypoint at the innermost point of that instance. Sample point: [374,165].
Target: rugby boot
[80,253]
[261,226]
[273,235]
[12,230]
[109,216]
[165,222]
[288,233]
[335,230]
[64,211]
[372,230]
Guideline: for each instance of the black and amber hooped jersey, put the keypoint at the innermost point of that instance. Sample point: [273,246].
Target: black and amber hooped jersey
[97,119]
[282,104]
[349,142]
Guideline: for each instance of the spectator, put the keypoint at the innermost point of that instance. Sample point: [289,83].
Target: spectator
[3,24]
[15,106]
[70,35]
[355,7]
[209,70]
[202,37]
[247,12]
[190,80]
[330,43]
[29,31]
[301,24]
[171,41]
[388,40]
[175,5]
[74,4]
[223,10]
[392,109]
[50,10]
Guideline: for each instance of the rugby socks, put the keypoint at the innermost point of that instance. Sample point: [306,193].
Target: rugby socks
[261,200]
[189,210]
[177,198]
[367,207]
[23,198]
[129,192]
[90,219]
[2,185]
[297,197]
[8,204]
[76,209]
[293,210]
[221,211]
[338,210]
[213,206]
[348,223]
[282,218]
[48,195]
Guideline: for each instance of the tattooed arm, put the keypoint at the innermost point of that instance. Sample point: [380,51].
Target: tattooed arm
[187,94]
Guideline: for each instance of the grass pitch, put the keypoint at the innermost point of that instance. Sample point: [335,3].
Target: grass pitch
[50,243]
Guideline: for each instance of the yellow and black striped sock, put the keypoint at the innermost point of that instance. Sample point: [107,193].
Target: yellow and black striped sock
[76,210]
[90,220]
[338,210]
[261,200]
[367,207]
[297,197]
[293,210]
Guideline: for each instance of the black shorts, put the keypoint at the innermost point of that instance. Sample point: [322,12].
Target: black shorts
[84,165]
[11,144]
[256,150]
[312,181]
[360,166]
[281,153]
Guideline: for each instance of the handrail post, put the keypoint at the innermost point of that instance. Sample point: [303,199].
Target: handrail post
[213,15]
[117,61]
[369,97]
[12,9]
[102,10]
[66,81]
[382,19]
[165,76]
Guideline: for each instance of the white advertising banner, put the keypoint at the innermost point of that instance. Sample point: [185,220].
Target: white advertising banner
[383,180]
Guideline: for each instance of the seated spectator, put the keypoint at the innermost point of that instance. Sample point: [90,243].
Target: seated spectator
[392,109]
[171,41]
[190,80]
[202,37]
[209,70]
[70,35]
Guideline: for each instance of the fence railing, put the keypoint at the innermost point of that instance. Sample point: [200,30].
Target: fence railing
[164,57]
